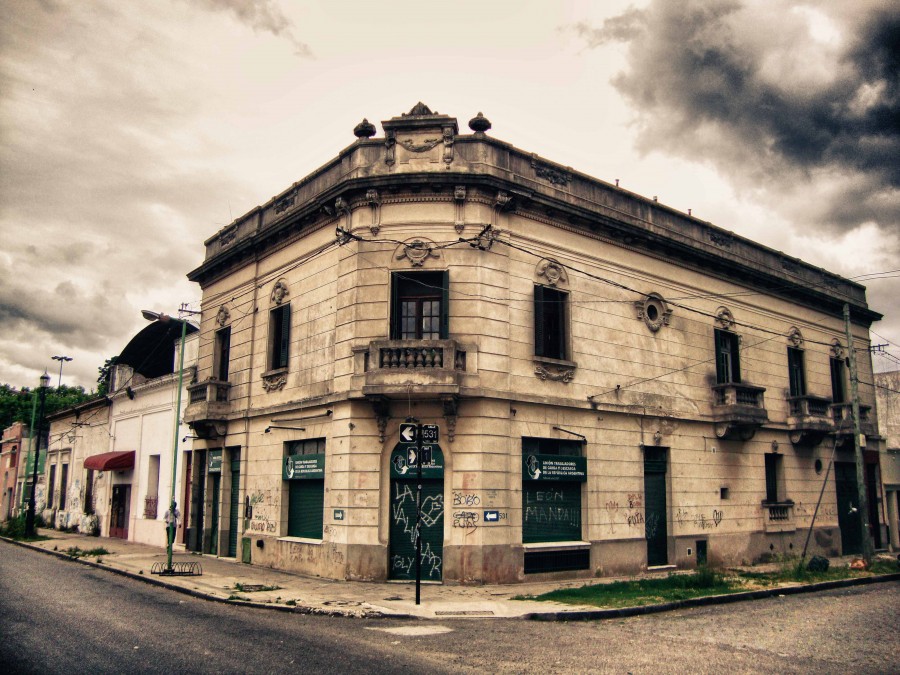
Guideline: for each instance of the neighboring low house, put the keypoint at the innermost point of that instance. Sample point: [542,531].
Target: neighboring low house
[77,496]
[109,468]
[888,396]
[15,439]
[143,392]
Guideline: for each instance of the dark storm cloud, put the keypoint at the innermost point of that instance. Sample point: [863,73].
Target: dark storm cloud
[260,15]
[749,87]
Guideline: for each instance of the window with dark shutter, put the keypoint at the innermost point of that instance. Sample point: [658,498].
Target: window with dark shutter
[838,393]
[773,463]
[728,362]
[280,331]
[796,374]
[550,322]
[223,353]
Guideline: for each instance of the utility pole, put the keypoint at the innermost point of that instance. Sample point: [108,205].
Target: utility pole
[863,509]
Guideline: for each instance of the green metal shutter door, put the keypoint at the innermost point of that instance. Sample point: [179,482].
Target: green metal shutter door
[403,529]
[305,508]
[395,307]
[285,336]
[551,511]
[214,519]
[235,509]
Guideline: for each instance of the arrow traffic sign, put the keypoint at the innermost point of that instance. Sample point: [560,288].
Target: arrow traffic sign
[408,433]
[491,516]
[411,457]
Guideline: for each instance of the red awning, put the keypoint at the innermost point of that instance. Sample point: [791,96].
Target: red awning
[111,461]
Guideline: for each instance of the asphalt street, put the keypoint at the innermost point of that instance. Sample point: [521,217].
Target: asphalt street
[60,617]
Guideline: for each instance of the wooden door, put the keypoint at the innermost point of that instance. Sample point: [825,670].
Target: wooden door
[847,507]
[120,512]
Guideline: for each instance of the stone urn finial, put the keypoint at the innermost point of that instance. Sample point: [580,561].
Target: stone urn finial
[364,129]
[479,124]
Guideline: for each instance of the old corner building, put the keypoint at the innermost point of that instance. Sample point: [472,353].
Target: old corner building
[616,384]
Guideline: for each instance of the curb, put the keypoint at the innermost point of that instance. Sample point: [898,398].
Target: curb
[706,601]
[575,615]
[296,609]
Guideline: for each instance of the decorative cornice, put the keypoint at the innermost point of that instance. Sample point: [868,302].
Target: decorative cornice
[285,203]
[549,173]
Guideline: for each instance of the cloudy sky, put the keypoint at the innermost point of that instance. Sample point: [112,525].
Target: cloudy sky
[132,131]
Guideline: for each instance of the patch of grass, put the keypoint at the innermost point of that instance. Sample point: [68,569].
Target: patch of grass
[884,566]
[76,552]
[644,591]
[291,603]
[237,597]
[14,528]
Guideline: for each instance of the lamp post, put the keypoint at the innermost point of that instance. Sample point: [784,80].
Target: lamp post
[170,528]
[32,505]
[62,360]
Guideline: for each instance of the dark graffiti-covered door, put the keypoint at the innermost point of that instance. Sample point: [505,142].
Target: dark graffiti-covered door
[402,554]
[655,506]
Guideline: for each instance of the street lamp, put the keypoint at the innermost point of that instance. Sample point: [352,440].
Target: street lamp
[29,515]
[170,527]
[62,360]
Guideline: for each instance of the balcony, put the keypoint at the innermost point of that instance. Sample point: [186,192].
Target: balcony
[809,419]
[842,415]
[433,367]
[778,516]
[738,410]
[208,407]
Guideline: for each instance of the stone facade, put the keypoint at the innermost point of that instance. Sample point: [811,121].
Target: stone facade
[77,499]
[12,446]
[888,397]
[530,312]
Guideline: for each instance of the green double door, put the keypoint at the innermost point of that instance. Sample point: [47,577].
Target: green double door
[402,557]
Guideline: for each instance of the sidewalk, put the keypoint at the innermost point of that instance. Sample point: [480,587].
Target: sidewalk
[224,579]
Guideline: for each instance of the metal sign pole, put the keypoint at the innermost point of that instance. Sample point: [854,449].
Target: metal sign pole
[419,514]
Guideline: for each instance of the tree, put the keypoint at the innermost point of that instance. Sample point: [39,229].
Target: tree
[105,375]
[16,404]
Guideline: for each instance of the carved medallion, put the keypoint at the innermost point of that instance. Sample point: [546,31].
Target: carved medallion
[549,173]
[724,318]
[274,382]
[279,291]
[553,272]
[837,349]
[223,316]
[796,337]
[417,252]
[563,375]
[228,235]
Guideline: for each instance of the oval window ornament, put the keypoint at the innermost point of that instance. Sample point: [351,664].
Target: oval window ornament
[653,311]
